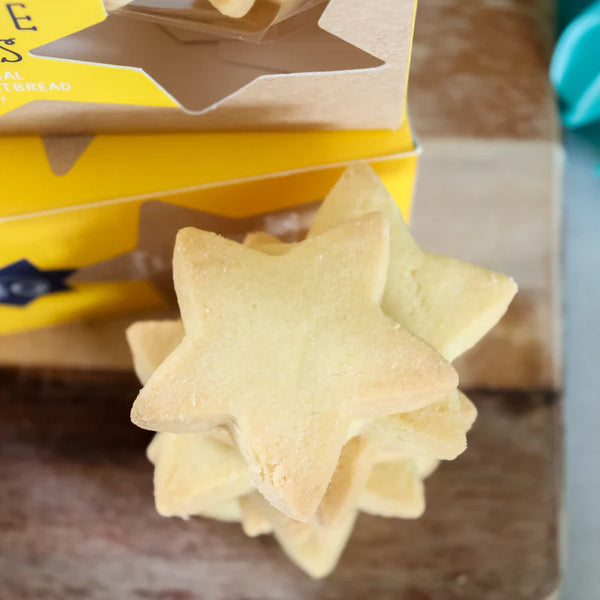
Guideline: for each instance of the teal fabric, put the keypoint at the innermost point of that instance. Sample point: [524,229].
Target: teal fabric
[569,9]
[575,68]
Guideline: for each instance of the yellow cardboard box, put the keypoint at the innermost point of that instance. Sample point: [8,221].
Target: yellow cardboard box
[68,236]
[68,68]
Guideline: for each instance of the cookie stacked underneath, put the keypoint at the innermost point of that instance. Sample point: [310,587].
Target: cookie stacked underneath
[307,382]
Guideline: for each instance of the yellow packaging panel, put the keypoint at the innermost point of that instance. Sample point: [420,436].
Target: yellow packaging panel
[25,77]
[115,168]
[77,237]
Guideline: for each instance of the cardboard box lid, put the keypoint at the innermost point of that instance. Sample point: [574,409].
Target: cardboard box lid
[283,89]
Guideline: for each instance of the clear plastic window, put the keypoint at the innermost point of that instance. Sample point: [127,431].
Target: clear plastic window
[251,20]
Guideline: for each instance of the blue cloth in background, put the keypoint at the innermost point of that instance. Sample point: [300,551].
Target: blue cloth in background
[569,9]
[575,68]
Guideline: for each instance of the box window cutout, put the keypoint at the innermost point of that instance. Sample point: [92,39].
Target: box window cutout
[159,223]
[199,71]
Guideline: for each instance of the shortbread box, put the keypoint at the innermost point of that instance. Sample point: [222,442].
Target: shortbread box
[84,66]
[87,224]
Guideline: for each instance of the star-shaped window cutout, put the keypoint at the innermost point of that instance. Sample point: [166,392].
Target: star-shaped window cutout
[22,282]
[200,72]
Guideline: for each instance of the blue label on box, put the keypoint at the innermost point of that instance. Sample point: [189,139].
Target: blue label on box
[21,282]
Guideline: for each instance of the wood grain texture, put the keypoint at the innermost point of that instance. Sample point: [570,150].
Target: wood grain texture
[490,178]
[496,203]
[479,69]
[77,519]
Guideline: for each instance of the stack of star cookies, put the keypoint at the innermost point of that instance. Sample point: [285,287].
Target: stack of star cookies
[307,382]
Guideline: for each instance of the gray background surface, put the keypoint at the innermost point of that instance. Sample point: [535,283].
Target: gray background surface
[582,369]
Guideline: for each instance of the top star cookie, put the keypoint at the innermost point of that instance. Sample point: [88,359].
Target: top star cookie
[447,302]
[288,351]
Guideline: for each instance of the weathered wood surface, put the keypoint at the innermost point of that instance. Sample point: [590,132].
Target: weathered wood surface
[490,178]
[497,204]
[479,70]
[77,519]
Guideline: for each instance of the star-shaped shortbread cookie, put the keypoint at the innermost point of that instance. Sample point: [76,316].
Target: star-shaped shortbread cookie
[152,341]
[427,435]
[314,549]
[288,351]
[193,470]
[394,489]
[196,474]
[447,302]
[437,431]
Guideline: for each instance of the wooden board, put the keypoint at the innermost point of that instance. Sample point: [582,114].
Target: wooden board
[479,70]
[476,202]
[77,519]
[490,178]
